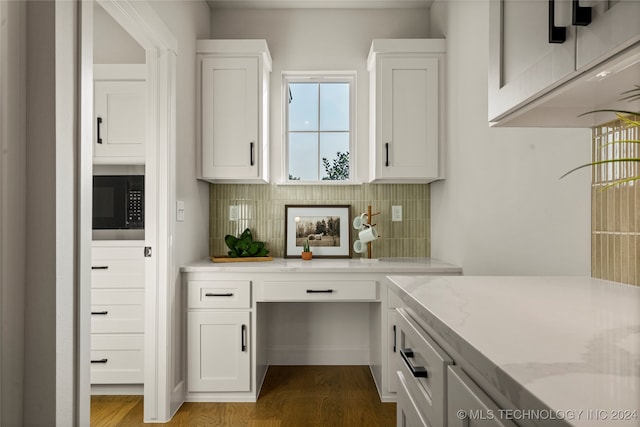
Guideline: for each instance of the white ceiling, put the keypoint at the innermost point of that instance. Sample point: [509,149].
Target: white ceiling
[319,4]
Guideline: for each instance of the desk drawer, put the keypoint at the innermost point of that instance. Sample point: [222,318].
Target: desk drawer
[312,290]
[219,294]
[423,364]
[117,311]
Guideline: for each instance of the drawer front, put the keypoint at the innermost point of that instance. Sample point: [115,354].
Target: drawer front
[423,363]
[117,359]
[119,311]
[219,294]
[352,290]
[110,253]
[468,405]
[117,273]
[408,414]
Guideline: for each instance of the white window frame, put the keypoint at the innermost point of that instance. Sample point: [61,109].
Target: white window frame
[319,77]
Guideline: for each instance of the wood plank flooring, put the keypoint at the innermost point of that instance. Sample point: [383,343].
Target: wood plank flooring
[294,396]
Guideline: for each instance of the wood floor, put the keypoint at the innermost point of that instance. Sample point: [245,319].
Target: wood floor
[294,396]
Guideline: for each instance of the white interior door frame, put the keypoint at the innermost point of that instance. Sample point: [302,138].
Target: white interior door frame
[141,21]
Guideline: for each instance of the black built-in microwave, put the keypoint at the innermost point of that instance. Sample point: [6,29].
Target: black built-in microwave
[118,202]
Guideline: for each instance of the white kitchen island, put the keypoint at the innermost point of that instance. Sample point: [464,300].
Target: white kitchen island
[243,317]
[538,351]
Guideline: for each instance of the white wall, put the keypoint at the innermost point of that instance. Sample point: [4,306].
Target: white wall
[317,40]
[111,43]
[502,209]
[188,21]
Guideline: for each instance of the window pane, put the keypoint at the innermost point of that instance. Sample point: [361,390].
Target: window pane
[303,106]
[334,106]
[334,152]
[303,156]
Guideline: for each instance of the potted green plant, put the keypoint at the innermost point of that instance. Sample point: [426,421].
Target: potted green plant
[306,252]
[632,119]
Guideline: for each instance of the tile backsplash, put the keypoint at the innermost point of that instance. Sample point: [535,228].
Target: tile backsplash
[615,212]
[262,209]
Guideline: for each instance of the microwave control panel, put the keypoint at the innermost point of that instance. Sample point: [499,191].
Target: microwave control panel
[135,208]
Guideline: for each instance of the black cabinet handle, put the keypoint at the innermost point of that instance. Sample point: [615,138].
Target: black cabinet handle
[556,34]
[319,291]
[100,361]
[581,15]
[218,295]
[101,313]
[386,149]
[251,153]
[416,371]
[99,120]
[99,267]
[394,338]
[243,346]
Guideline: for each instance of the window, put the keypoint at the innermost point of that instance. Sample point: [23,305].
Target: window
[319,123]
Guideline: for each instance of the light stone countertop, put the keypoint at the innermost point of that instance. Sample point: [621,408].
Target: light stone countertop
[569,343]
[347,265]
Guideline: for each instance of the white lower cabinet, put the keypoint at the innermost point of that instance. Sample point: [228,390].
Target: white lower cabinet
[219,336]
[424,366]
[117,312]
[468,405]
[218,351]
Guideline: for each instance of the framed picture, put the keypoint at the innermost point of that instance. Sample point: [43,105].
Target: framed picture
[327,228]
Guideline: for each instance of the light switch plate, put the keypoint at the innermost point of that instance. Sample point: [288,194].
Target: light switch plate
[396,213]
[180,211]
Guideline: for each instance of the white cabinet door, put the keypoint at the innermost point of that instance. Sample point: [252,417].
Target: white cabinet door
[120,126]
[392,350]
[407,412]
[523,62]
[468,405]
[230,104]
[615,25]
[218,351]
[407,132]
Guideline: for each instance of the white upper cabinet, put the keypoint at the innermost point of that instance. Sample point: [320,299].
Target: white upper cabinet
[233,116]
[406,94]
[546,71]
[120,114]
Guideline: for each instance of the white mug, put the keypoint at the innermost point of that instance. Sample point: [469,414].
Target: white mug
[368,234]
[359,221]
[359,247]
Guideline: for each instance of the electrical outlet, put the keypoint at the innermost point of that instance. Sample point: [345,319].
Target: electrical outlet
[233,213]
[396,213]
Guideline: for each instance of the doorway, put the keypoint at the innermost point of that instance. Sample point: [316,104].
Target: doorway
[141,24]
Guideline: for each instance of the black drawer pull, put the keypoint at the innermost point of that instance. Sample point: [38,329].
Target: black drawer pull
[209,294]
[556,34]
[243,331]
[581,14]
[251,153]
[416,371]
[100,361]
[102,313]
[99,267]
[319,291]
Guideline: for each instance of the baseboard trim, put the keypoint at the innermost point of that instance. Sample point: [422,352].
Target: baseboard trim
[117,389]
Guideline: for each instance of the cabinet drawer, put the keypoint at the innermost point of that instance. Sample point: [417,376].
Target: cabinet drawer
[352,290]
[109,253]
[120,311]
[117,359]
[408,414]
[219,294]
[465,395]
[423,363]
[117,273]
